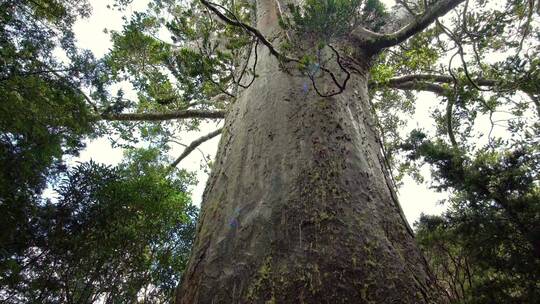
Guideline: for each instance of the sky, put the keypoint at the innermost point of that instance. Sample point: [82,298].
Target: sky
[414,198]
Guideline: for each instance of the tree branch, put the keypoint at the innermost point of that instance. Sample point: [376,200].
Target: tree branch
[234,21]
[438,78]
[195,144]
[449,123]
[377,41]
[255,32]
[419,86]
[426,82]
[163,115]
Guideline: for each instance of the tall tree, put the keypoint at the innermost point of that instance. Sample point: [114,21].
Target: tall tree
[300,205]
[485,248]
[43,114]
[111,234]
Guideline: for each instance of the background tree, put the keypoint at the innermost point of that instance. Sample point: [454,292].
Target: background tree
[112,235]
[43,115]
[485,247]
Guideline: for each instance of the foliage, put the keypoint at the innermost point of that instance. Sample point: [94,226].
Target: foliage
[119,234]
[43,115]
[172,63]
[111,233]
[486,247]
[327,18]
[482,40]
[324,21]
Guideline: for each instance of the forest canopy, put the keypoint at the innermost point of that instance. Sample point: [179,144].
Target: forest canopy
[123,233]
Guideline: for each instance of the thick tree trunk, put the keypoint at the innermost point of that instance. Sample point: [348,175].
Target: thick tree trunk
[298,208]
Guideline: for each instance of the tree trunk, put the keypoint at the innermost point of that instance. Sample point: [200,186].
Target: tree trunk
[298,208]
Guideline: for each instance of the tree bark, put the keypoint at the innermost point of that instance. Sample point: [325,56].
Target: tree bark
[298,208]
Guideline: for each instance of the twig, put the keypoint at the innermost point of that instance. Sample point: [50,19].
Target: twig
[194,145]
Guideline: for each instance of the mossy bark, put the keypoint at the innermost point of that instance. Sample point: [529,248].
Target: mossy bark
[298,208]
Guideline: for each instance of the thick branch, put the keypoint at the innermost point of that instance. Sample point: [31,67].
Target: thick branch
[194,146]
[186,114]
[438,78]
[427,82]
[378,41]
[419,86]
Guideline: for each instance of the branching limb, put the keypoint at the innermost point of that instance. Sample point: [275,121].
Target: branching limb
[255,32]
[437,78]
[427,82]
[418,86]
[254,69]
[234,21]
[194,145]
[377,41]
[186,114]
[450,105]
[341,87]
[170,115]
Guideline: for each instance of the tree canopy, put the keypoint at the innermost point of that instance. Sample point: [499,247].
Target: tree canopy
[108,234]
[112,234]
